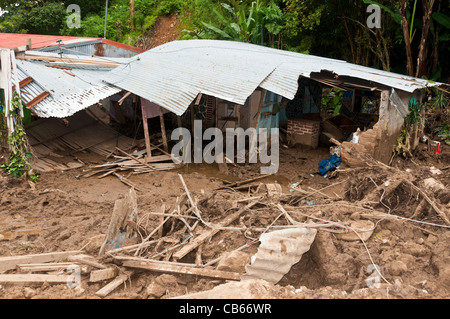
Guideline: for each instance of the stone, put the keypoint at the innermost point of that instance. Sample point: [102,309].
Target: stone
[234,261]
[29,292]
[396,268]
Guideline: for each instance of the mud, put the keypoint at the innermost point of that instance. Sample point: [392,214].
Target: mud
[65,213]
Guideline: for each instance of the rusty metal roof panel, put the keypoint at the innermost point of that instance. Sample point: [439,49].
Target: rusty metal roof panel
[172,74]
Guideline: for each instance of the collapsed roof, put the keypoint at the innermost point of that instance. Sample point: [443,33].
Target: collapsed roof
[173,74]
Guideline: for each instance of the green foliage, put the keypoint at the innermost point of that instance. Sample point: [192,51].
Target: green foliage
[332,101]
[414,115]
[18,161]
[302,15]
[257,22]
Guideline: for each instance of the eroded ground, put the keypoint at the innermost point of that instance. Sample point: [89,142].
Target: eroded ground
[66,213]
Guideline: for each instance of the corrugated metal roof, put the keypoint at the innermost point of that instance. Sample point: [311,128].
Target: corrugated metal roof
[173,74]
[49,42]
[278,252]
[68,93]
[31,90]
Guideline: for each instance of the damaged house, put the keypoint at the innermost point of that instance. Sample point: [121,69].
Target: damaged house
[225,84]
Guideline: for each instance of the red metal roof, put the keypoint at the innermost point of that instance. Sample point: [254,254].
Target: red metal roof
[39,41]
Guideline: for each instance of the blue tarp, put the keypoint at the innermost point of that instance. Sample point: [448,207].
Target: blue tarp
[330,164]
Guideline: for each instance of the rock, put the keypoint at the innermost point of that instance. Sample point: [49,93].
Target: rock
[161,286]
[364,228]
[78,291]
[29,292]
[431,240]
[415,249]
[234,261]
[396,268]
[155,290]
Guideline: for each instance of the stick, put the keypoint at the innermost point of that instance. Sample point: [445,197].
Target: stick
[210,233]
[442,214]
[150,235]
[196,211]
[244,182]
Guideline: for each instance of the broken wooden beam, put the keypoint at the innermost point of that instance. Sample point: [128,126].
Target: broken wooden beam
[146,133]
[68,60]
[86,260]
[102,274]
[119,280]
[11,262]
[240,183]
[175,269]
[39,98]
[46,267]
[35,279]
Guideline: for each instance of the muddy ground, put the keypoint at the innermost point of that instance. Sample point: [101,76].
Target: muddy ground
[65,213]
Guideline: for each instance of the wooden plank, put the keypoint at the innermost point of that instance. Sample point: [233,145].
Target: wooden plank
[102,274]
[146,134]
[175,269]
[35,279]
[24,82]
[134,158]
[67,60]
[37,99]
[58,67]
[112,286]
[45,267]
[11,262]
[197,241]
[163,130]
[86,260]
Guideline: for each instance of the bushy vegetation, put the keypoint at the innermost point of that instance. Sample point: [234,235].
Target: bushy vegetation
[411,30]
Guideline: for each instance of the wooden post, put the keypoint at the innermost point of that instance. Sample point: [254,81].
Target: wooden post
[163,129]
[192,117]
[147,136]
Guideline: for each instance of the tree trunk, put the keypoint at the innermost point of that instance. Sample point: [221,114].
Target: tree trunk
[409,59]
[421,58]
[132,14]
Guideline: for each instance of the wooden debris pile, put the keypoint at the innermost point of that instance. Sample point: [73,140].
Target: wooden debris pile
[188,237]
[131,164]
